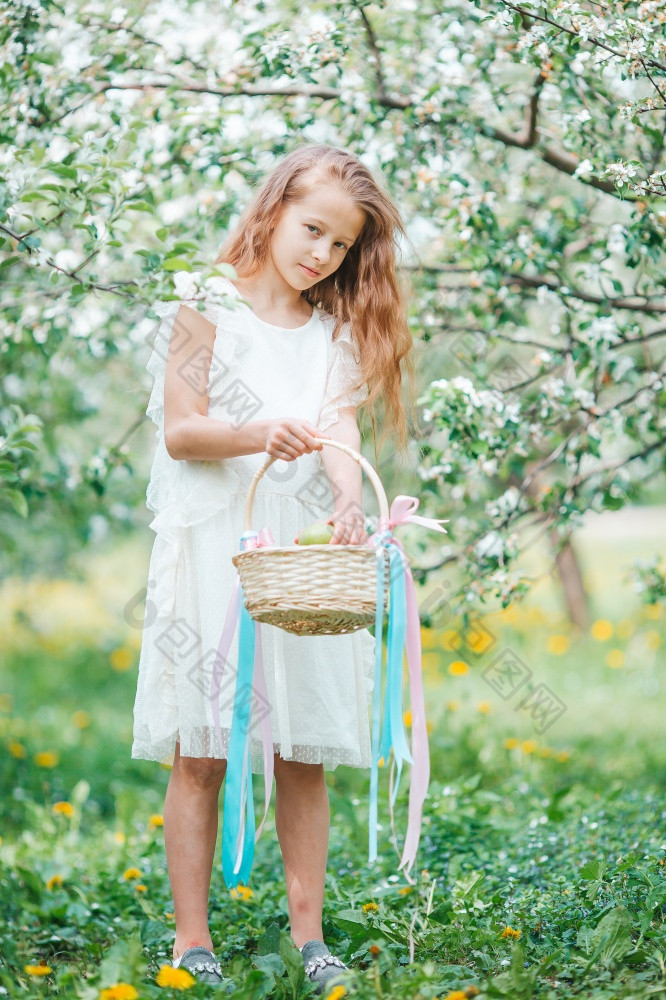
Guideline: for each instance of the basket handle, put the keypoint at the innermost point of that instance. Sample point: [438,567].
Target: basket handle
[363,462]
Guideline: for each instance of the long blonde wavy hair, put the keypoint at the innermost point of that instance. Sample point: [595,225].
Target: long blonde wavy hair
[364,291]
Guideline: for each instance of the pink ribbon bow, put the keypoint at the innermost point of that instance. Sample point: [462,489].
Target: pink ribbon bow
[402,512]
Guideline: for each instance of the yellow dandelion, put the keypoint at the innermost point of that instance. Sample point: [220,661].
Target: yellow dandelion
[17,749]
[380,762]
[368,907]
[241,892]
[156,820]
[509,932]
[558,644]
[653,639]
[451,640]
[453,706]
[6,702]
[121,991]
[563,755]
[615,658]
[121,658]
[53,881]
[175,979]
[483,707]
[81,720]
[405,889]
[140,887]
[130,873]
[456,995]
[407,718]
[46,758]
[169,916]
[37,970]
[337,993]
[545,752]
[471,991]
[510,743]
[458,668]
[479,641]
[119,837]
[63,808]
[601,630]
[653,611]
[528,746]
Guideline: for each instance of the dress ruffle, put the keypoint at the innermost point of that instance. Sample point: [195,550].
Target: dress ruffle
[182,494]
[344,386]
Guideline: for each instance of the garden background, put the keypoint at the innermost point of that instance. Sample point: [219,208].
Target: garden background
[524,144]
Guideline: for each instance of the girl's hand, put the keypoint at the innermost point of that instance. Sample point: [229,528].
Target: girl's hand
[348,527]
[291,437]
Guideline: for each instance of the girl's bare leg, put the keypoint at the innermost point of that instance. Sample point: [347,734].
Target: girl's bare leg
[302,820]
[190,831]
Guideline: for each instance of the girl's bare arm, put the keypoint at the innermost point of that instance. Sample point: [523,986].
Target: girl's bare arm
[344,474]
[189,433]
[188,430]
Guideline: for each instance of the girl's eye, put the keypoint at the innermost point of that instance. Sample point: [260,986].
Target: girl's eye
[338,244]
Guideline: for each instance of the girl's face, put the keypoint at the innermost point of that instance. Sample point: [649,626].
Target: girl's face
[312,236]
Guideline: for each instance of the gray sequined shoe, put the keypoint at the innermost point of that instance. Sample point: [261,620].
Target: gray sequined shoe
[201,963]
[321,967]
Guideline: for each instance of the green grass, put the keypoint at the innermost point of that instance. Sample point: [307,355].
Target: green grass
[559,836]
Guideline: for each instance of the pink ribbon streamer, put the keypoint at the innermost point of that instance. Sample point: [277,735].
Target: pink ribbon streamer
[263,538]
[402,512]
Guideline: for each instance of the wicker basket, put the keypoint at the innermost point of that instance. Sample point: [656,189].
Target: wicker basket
[312,589]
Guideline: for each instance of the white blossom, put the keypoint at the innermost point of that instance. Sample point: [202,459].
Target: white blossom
[584,169]
[621,172]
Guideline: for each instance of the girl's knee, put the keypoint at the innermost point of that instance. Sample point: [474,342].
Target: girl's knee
[296,769]
[203,771]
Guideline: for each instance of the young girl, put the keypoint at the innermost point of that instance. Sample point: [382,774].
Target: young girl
[317,328]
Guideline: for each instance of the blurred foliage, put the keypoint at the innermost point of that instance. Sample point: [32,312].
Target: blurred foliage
[524,144]
[540,869]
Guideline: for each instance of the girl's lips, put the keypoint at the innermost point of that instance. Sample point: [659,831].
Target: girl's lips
[308,270]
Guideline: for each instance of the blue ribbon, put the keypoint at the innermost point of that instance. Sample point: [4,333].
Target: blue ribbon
[393,736]
[388,731]
[376,704]
[238,798]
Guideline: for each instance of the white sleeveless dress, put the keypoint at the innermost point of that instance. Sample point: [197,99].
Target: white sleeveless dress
[319,688]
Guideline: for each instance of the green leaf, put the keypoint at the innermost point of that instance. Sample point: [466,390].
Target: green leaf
[269,942]
[350,919]
[18,501]
[62,171]
[611,938]
[177,264]
[140,206]
[272,965]
[593,870]
[293,960]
